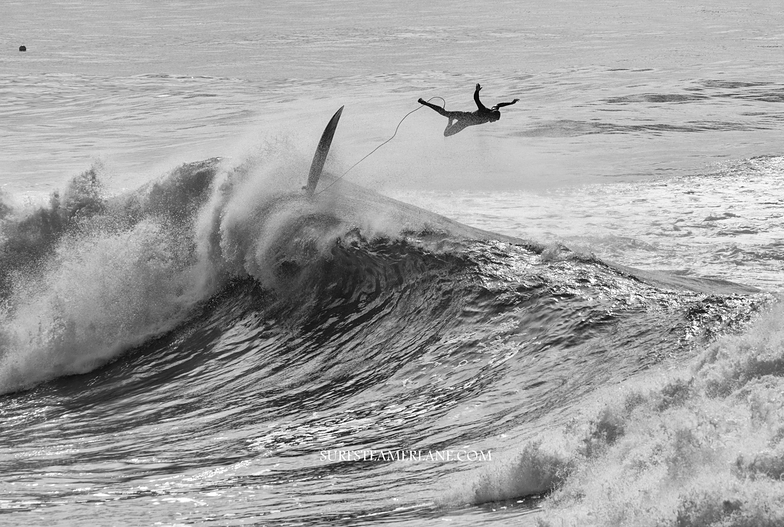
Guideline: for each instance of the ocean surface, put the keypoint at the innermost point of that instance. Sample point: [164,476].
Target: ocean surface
[568,317]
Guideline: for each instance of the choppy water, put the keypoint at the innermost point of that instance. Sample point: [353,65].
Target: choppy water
[199,343]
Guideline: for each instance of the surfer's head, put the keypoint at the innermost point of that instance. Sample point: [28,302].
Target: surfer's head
[495,114]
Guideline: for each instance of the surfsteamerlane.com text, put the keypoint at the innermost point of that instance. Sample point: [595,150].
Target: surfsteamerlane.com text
[461,456]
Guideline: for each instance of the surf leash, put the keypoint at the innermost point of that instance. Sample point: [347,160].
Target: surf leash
[379,146]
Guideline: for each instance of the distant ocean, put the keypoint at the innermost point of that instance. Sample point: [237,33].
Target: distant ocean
[570,316]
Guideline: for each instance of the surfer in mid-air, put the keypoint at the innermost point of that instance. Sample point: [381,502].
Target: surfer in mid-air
[461,120]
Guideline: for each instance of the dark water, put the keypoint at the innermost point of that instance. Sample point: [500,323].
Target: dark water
[300,330]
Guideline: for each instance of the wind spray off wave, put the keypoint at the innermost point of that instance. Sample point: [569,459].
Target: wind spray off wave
[90,275]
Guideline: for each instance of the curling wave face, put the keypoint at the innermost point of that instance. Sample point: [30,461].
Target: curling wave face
[230,306]
[89,276]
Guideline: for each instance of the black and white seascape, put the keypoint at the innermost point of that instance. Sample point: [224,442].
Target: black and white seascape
[569,316]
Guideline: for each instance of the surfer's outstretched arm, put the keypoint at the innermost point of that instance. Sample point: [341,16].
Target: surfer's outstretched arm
[476,97]
[502,104]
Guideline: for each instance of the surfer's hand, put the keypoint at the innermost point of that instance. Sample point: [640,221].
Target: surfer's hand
[514,101]
[421,101]
[478,86]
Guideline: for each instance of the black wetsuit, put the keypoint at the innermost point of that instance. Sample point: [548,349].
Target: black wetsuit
[461,120]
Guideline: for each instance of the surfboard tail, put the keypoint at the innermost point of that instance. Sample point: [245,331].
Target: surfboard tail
[320,157]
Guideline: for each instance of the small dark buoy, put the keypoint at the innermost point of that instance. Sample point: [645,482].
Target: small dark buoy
[22,48]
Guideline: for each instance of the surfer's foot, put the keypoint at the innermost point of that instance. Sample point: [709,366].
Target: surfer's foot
[422,101]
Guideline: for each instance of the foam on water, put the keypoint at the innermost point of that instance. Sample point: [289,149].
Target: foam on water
[695,446]
[88,277]
[723,223]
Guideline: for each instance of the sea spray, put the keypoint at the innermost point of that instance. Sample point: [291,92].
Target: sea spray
[98,295]
[89,276]
[705,448]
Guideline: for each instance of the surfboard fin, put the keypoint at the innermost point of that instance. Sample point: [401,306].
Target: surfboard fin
[322,150]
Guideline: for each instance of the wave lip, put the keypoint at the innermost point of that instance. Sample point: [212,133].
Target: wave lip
[103,274]
[90,275]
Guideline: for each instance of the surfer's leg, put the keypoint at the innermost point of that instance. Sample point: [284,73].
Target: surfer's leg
[459,121]
[448,126]
[436,108]
[458,126]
